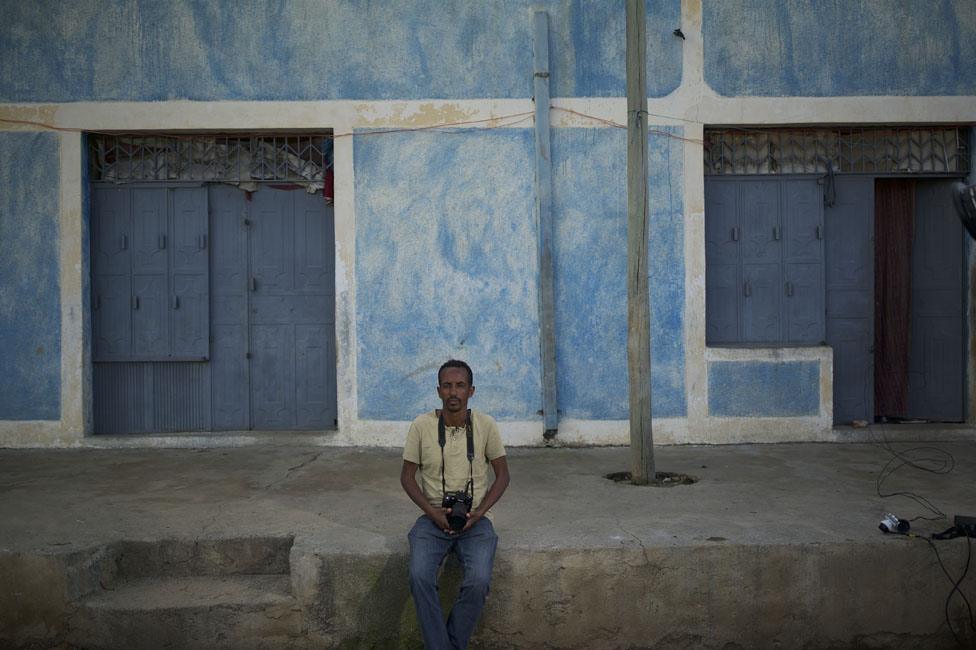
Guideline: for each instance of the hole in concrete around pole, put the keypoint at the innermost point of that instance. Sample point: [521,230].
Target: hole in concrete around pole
[661,479]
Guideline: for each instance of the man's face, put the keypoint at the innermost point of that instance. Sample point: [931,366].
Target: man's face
[454,390]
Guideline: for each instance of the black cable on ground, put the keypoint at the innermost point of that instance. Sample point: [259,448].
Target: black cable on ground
[955,588]
[933,460]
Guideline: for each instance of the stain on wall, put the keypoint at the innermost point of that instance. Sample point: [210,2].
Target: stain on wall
[763,388]
[792,48]
[30,301]
[590,208]
[446,265]
[144,50]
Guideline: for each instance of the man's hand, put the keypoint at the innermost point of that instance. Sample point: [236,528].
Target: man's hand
[473,518]
[439,517]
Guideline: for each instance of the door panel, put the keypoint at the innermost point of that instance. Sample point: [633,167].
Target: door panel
[111,311]
[191,324]
[150,325]
[149,231]
[759,217]
[761,306]
[314,245]
[291,312]
[803,217]
[721,298]
[935,367]
[722,285]
[273,240]
[805,303]
[314,381]
[228,365]
[273,376]
[849,254]
[111,236]
[190,237]
[721,234]
[228,311]
[851,340]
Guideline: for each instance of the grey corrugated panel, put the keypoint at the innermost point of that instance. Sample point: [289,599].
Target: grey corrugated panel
[150,397]
[119,403]
[181,396]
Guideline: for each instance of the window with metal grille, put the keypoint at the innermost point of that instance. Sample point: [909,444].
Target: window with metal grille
[934,150]
[238,159]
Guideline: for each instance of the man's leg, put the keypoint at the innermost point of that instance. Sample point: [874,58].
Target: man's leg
[428,546]
[476,550]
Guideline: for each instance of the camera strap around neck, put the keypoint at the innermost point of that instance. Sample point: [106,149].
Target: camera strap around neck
[441,439]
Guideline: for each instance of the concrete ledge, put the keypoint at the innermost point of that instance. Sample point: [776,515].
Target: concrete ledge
[775,546]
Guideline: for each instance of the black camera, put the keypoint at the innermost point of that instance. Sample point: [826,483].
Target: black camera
[460,504]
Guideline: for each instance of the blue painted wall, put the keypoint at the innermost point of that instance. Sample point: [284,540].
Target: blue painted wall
[447,221]
[840,48]
[145,50]
[763,388]
[590,207]
[30,300]
[446,264]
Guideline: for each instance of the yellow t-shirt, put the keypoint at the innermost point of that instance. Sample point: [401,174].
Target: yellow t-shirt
[422,448]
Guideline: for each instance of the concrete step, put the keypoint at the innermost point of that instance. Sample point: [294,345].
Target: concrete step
[229,611]
[203,557]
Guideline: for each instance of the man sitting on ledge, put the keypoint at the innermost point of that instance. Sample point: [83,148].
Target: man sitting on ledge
[452,446]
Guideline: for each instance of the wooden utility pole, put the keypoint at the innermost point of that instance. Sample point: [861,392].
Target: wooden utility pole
[638,301]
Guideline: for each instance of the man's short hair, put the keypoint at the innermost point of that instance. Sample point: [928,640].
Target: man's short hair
[456,363]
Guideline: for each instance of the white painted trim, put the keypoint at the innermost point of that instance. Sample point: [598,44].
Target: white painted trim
[75,366]
[345,281]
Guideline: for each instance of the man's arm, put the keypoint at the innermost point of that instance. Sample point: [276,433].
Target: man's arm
[408,479]
[495,492]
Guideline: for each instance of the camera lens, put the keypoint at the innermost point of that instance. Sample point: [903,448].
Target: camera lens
[458,516]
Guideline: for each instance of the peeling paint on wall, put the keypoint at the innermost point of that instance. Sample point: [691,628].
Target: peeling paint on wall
[446,266]
[142,50]
[857,47]
[30,301]
[590,207]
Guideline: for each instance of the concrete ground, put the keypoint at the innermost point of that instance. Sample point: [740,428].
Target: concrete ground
[774,546]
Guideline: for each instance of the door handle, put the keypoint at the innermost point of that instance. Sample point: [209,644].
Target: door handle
[253,283]
[162,242]
[789,289]
[135,302]
[202,242]
[125,242]
[776,233]
[735,233]
[176,302]
[747,289]
[819,231]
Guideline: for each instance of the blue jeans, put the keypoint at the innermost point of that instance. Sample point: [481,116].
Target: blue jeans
[475,549]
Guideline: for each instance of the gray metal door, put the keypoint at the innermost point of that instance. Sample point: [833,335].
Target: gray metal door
[150,308]
[291,306]
[849,250]
[935,368]
[273,354]
[229,327]
[764,261]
